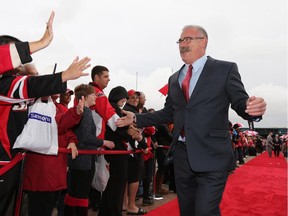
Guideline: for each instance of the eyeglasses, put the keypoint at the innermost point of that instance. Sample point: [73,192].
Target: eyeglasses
[188,39]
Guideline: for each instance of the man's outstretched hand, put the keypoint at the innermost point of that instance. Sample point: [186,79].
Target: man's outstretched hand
[129,119]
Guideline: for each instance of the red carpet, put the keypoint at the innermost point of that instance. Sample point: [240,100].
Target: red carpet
[258,188]
[168,209]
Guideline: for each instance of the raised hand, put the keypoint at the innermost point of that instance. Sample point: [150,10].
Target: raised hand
[46,38]
[76,69]
[80,106]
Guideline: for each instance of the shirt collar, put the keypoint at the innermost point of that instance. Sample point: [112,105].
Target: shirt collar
[199,63]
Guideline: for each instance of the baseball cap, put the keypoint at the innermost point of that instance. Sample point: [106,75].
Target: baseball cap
[132,92]
[69,91]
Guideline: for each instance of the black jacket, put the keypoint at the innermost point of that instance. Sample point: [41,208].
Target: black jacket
[86,135]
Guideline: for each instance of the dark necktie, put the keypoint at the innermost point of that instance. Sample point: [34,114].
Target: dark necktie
[186,83]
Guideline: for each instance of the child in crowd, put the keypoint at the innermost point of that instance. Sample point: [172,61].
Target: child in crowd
[82,168]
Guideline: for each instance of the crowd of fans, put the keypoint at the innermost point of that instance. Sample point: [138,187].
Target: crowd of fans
[64,181]
[245,143]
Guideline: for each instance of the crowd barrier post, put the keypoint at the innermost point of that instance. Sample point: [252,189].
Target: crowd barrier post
[19,191]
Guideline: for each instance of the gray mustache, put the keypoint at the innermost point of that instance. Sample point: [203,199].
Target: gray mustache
[184,49]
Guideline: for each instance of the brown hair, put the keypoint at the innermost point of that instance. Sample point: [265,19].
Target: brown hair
[83,90]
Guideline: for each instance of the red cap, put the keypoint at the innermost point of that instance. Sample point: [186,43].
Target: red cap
[132,92]
[69,91]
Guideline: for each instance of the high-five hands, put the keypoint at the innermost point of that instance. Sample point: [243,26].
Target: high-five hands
[126,120]
[46,38]
[76,69]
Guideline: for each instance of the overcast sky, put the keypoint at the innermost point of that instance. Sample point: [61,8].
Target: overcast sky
[136,40]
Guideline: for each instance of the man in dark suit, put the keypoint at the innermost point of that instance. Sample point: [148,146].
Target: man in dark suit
[202,152]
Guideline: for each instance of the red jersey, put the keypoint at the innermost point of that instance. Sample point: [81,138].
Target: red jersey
[103,112]
[12,55]
[14,116]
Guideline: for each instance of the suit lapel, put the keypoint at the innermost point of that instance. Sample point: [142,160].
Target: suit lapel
[206,72]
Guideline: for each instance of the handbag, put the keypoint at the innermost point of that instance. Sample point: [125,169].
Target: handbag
[40,133]
[101,175]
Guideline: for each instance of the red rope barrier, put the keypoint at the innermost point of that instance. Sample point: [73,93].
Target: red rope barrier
[9,165]
[21,155]
[163,146]
[109,152]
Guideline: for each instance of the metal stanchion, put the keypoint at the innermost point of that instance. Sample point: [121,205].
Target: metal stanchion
[251,125]
[18,194]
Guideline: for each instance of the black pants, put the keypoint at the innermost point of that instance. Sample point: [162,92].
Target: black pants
[112,197]
[199,193]
[240,155]
[148,175]
[80,182]
[60,202]
[160,156]
[8,185]
[276,152]
[78,191]
[42,203]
